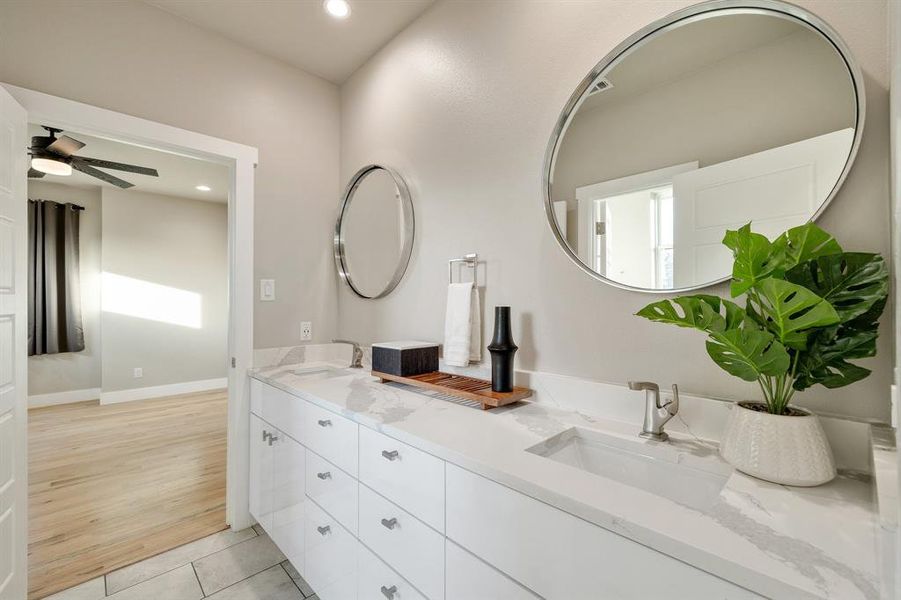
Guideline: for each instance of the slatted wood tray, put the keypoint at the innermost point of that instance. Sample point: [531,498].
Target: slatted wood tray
[470,388]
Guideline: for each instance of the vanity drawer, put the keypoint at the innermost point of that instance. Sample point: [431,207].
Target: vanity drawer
[333,490]
[278,408]
[468,578]
[410,546]
[405,475]
[332,437]
[331,550]
[376,580]
[560,556]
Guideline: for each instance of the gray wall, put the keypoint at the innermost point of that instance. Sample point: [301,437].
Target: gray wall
[164,241]
[136,59]
[52,373]
[462,103]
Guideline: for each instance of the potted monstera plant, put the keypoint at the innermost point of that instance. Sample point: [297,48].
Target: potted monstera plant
[809,308]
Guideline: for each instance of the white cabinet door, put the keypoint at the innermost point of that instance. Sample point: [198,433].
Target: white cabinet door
[562,557]
[288,496]
[261,472]
[13,316]
[468,578]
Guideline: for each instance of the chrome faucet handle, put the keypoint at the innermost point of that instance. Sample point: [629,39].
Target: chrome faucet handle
[672,407]
[357,360]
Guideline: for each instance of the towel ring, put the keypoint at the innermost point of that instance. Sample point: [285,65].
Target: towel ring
[470,260]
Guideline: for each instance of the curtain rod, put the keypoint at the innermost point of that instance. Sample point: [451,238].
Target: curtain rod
[74,206]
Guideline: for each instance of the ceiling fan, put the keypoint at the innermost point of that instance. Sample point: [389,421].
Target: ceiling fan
[56,156]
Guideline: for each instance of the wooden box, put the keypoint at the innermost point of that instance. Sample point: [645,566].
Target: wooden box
[405,359]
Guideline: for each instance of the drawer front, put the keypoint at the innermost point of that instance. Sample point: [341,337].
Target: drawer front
[331,436]
[378,581]
[331,551]
[468,578]
[332,489]
[278,407]
[410,546]
[560,556]
[409,477]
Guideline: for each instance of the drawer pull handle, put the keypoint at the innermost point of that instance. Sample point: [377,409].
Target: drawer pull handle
[390,523]
[323,530]
[390,455]
[388,592]
[272,439]
[324,476]
[325,422]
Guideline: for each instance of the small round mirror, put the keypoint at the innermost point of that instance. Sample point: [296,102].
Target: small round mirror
[374,232]
[718,115]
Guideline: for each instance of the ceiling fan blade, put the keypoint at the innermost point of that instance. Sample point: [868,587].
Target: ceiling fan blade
[88,170]
[106,164]
[34,173]
[65,146]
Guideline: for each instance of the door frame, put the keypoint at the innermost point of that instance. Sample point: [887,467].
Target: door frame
[241,161]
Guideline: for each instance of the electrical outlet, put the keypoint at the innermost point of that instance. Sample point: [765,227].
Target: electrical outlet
[139,372]
[306,331]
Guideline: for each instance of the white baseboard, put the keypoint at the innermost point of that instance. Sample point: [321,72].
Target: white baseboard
[63,397]
[160,391]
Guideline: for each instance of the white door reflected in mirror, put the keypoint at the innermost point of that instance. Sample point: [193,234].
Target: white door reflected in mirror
[699,127]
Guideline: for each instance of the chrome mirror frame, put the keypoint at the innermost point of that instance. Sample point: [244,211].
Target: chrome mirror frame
[409,228]
[697,12]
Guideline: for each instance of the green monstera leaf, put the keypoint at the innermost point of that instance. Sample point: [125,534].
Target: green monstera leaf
[803,243]
[789,310]
[755,259]
[748,353]
[852,282]
[701,311]
[826,362]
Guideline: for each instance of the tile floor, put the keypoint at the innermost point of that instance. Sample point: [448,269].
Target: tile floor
[229,565]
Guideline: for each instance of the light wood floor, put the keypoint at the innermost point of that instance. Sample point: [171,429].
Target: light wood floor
[111,485]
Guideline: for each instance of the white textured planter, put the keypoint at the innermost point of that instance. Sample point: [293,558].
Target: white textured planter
[792,450]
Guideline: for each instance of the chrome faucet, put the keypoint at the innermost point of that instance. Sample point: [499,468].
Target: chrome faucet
[357,360]
[656,415]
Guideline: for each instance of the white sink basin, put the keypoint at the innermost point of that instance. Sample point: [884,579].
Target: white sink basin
[321,372]
[685,472]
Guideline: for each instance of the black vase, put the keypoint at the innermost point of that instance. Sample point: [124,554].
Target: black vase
[502,350]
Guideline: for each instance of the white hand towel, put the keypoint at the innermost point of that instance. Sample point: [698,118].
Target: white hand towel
[462,325]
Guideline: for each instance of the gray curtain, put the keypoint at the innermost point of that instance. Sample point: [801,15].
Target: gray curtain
[54,289]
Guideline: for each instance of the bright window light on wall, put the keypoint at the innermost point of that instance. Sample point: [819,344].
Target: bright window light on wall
[151,301]
[339,9]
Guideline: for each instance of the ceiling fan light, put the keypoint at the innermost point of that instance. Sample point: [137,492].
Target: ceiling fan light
[51,166]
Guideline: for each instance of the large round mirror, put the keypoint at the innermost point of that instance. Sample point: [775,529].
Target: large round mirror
[374,232]
[721,114]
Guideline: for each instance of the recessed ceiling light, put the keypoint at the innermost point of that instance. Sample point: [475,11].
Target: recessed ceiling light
[203,188]
[339,9]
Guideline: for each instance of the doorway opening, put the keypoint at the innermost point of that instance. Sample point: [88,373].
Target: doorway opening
[128,353]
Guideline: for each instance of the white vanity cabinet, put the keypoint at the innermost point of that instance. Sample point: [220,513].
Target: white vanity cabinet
[363,516]
[260,471]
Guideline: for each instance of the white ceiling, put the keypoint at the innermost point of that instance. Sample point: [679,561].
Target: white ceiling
[178,174]
[300,32]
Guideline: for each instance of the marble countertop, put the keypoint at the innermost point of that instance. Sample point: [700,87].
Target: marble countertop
[780,542]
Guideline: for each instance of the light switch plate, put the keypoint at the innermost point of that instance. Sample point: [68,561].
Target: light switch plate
[267,290]
[306,331]
[139,372]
